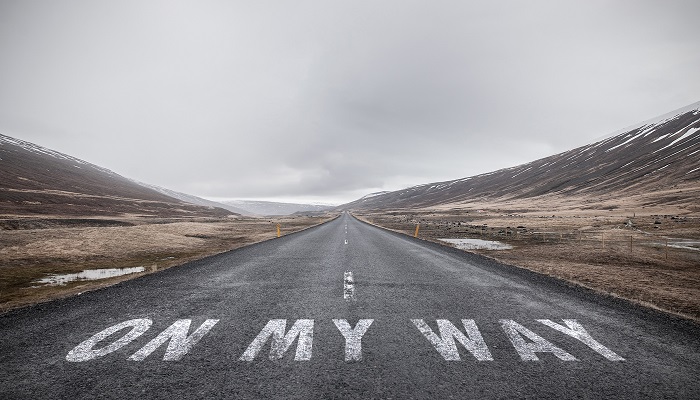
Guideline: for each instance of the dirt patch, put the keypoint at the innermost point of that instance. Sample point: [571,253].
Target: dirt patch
[650,259]
[31,249]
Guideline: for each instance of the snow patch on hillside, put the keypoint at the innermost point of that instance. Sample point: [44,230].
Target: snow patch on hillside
[375,194]
[695,108]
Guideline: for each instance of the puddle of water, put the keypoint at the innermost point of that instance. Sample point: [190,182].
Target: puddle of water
[88,275]
[478,244]
[685,244]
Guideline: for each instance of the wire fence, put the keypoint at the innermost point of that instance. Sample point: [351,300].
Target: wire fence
[619,241]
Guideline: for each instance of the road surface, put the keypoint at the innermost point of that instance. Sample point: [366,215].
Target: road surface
[345,310]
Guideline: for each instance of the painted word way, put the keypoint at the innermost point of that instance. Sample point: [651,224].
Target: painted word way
[281,336]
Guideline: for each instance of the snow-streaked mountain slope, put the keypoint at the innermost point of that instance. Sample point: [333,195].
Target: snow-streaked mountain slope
[655,155]
[37,180]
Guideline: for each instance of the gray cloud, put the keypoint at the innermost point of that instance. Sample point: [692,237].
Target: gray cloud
[332,100]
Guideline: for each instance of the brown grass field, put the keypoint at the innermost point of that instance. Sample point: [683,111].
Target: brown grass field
[35,247]
[630,256]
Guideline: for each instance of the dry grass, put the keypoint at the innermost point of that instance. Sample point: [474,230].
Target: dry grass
[618,254]
[60,247]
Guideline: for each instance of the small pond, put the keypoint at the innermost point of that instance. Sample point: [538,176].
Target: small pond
[478,244]
[88,275]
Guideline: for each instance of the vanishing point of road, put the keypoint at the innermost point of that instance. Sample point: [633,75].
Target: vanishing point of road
[346,310]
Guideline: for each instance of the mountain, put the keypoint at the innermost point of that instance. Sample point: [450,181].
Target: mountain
[35,180]
[273,208]
[655,162]
[194,199]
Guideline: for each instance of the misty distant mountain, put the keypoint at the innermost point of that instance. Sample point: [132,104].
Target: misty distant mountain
[35,180]
[274,208]
[194,199]
[657,156]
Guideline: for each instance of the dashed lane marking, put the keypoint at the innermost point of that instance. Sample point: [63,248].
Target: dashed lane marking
[348,286]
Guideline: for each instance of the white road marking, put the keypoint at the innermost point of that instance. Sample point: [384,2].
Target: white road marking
[525,342]
[85,351]
[445,343]
[353,337]
[180,344]
[302,328]
[348,286]
[346,241]
[575,330]
[527,351]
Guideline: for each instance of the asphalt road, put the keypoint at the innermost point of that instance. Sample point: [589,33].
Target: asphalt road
[282,319]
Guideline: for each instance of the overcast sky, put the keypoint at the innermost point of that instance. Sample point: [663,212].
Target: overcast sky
[330,100]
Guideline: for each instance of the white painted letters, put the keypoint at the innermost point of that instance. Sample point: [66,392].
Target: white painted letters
[445,343]
[353,337]
[527,351]
[85,351]
[179,343]
[445,340]
[575,330]
[303,328]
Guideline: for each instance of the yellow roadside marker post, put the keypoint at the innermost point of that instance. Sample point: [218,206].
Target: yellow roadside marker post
[417,227]
[278,230]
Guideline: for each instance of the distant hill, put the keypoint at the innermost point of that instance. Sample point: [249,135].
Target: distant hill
[660,157]
[274,208]
[35,180]
[194,199]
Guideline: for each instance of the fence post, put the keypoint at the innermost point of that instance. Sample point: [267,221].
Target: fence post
[630,244]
